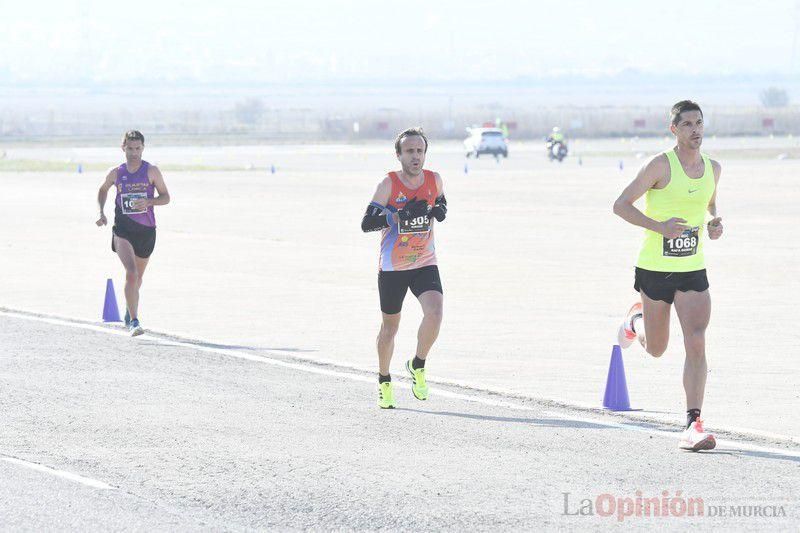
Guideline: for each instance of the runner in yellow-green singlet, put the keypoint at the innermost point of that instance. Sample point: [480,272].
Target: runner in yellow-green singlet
[680,189]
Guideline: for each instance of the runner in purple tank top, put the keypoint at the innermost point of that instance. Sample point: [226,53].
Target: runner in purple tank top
[134,232]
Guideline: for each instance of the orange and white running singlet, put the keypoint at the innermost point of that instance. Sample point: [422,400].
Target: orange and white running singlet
[409,243]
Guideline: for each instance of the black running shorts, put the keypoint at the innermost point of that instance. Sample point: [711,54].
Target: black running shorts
[141,237]
[392,286]
[662,285]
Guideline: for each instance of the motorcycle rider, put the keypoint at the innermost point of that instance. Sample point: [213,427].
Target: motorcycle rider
[556,137]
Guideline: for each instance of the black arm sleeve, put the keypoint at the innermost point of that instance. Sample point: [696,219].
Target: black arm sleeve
[376,217]
[439,211]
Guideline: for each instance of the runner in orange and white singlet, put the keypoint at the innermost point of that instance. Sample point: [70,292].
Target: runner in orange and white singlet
[405,208]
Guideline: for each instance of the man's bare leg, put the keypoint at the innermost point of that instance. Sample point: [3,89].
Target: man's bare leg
[655,314]
[432,303]
[385,341]
[132,279]
[141,265]
[694,314]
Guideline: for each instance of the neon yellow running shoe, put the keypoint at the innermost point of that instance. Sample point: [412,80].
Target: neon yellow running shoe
[420,386]
[385,395]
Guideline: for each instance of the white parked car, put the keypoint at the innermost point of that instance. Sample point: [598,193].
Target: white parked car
[485,141]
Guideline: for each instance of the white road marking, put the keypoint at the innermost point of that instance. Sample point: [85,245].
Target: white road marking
[89,482]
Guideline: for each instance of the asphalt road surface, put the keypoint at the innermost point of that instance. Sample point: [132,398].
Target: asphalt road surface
[101,431]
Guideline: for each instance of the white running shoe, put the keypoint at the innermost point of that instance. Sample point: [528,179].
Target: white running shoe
[625,334]
[695,438]
[135,328]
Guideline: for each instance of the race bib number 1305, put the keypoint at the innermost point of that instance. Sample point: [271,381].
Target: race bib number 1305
[421,224]
[682,246]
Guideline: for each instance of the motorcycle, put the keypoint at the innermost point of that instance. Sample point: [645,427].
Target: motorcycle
[556,150]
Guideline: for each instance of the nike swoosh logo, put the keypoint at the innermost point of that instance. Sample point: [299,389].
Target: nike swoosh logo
[691,191]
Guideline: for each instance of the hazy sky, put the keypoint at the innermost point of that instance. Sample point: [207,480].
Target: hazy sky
[240,41]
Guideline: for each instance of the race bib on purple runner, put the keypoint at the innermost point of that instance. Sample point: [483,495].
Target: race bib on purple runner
[128,200]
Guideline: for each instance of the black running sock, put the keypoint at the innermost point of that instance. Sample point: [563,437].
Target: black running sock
[384,379]
[417,363]
[691,416]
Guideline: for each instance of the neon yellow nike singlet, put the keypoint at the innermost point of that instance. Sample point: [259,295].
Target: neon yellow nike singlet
[685,198]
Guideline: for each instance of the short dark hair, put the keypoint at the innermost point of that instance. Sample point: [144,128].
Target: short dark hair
[132,135]
[410,132]
[682,107]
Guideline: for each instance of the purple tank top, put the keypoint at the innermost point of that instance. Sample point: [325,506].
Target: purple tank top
[132,186]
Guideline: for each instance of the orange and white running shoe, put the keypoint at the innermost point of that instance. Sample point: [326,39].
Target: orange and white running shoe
[626,335]
[695,438]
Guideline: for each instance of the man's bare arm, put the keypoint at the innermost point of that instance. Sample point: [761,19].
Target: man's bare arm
[648,176]
[102,195]
[163,197]
[715,225]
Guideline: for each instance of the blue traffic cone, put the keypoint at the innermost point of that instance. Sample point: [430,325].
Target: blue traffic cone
[110,308]
[616,397]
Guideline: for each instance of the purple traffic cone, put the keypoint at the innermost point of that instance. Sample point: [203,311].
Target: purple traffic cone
[110,308]
[616,397]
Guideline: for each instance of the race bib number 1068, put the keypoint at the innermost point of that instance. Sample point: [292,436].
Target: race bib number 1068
[682,246]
